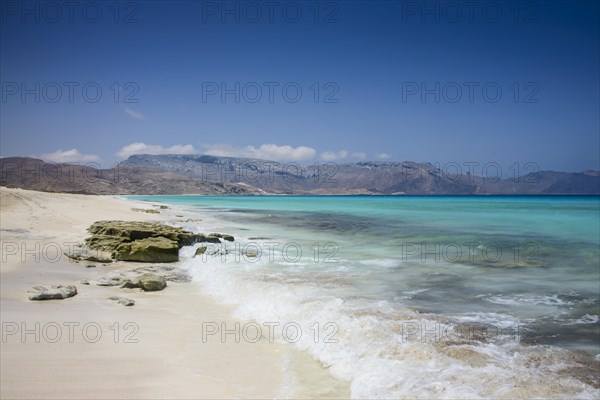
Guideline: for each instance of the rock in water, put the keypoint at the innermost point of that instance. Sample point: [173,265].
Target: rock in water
[200,250]
[152,282]
[158,249]
[228,238]
[52,292]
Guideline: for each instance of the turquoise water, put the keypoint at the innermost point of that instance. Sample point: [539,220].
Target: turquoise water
[455,289]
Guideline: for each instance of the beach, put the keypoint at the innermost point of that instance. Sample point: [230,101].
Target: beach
[52,349]
[316,297]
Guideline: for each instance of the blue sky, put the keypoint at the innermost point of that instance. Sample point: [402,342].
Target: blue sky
[437,81]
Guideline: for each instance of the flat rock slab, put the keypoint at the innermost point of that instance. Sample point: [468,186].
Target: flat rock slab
[124,301]
[147,282]
[52,292]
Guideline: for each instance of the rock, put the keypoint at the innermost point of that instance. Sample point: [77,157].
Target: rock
[152,282]
[47,292]
[90,266]
[228,238]
[155,249]
[85,282]
[126,302]
[211,239]
[146,210]
[250,254]
[154,269]
[200,250]
[164,207]
[125,240]
[132,230]
[167,272]
[122,300]
[131,284]
[148,282]
[107,243]
[177,277]
[80,256]
[113,281]
[98,258]
[73,256]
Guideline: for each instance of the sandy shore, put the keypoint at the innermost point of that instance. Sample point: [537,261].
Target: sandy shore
[53,349]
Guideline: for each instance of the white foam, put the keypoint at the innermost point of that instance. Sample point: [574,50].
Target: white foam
[373,350]
[586,319]
[527,299]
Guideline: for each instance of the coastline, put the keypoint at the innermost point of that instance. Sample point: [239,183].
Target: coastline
[56,351]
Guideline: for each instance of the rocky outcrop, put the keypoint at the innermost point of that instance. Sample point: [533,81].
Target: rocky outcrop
[126,178]
[52,292]
[148,250]
[144,241]
[127,231]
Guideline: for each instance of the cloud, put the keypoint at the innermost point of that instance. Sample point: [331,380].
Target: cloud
[359,155]
[63,156]
[143,148]
[383,156]
[267,151]
[332,156]
[135,114]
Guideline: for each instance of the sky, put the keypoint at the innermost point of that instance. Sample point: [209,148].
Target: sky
[513,84]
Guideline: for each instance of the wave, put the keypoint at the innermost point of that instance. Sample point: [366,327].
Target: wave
[386,349]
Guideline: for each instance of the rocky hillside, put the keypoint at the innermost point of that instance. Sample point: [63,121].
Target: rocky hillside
[364,177]
[202,174]
[125,178]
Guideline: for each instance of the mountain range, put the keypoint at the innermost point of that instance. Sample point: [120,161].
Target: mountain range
[211,175]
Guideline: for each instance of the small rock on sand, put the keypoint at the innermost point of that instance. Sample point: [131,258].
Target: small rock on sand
[52,292]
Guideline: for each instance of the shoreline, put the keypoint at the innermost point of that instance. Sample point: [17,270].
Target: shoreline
[50,348]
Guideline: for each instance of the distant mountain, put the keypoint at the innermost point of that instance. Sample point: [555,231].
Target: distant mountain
[363,177]
[125,178]
[203,174]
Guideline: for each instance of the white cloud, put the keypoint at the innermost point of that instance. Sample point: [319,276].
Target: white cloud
[267,151]
[73,155]
[383,156]
[359,155]
[143,148]
[134,114]
[332,156]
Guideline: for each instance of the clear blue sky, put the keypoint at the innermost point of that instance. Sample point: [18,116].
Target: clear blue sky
[379,67]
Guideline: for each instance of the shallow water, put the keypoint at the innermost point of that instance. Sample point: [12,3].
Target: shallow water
[417,296]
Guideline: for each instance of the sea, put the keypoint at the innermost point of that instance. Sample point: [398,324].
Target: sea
[412,296]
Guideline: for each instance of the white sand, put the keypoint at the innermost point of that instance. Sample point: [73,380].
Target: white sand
[168,361]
